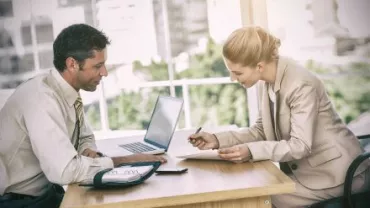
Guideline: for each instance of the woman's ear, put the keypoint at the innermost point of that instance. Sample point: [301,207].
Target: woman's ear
[260,67]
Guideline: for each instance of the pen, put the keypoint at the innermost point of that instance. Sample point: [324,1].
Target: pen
[198,130]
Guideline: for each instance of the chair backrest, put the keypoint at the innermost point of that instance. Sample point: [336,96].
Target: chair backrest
[365,141]
[4,176]
[360,126]
[4,95]
[349,198]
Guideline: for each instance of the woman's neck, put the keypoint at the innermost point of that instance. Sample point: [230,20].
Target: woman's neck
[270,72]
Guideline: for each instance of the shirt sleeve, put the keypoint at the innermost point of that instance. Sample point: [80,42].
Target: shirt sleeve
[231,138]
[47,130]
[304,106]
[88,167]
[87,138]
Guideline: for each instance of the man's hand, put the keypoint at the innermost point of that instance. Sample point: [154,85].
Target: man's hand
[204,141]
[90,153]
[237,154]
[137,158]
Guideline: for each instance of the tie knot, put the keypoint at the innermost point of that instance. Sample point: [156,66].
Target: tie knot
[78,102]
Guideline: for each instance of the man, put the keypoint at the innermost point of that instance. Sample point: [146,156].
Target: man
[44,137]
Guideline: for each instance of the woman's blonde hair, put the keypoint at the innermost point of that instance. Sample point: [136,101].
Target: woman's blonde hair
[249,45]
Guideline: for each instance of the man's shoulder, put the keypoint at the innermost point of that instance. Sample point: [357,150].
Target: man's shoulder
[35,90]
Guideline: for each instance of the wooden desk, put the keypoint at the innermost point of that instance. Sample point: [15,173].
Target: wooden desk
[207,184]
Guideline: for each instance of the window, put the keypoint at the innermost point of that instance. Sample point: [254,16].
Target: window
[6,8]
[6,65]
[44,33]
[26,63]
[46,59]
[322,36]
[11,84]
[26,34]
[138,71]
[5,39]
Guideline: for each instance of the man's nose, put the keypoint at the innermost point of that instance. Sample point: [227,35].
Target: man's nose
[104,71]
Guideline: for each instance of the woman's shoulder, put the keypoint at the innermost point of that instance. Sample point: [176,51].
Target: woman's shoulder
[295,72]
[296,76]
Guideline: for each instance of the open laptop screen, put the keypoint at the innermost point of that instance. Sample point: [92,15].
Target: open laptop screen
[164,120]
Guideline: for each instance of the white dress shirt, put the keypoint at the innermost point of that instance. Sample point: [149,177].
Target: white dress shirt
[37,136]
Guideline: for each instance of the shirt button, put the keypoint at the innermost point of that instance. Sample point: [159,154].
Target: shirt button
[294,166]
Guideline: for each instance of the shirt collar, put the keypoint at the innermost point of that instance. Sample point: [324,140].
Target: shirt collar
[281,67]
[68,92]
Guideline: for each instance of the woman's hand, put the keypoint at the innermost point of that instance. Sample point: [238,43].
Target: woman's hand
[204,141]
[237,154]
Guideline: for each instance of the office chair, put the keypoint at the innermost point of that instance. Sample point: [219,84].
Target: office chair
[350,200]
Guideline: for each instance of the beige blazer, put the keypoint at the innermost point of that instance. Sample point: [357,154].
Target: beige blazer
[306,133]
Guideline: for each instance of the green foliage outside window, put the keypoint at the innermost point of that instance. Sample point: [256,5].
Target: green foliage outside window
[211,105]
[348,88]
[224,104]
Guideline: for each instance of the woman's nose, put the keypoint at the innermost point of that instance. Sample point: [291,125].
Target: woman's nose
[232,78]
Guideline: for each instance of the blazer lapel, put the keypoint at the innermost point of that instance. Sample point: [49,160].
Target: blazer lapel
[266,115]
[276,107]
[281,67]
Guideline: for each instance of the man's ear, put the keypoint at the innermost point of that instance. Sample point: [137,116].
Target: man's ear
[71,64]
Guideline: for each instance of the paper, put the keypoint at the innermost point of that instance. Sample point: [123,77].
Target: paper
[123,174]
[201,155]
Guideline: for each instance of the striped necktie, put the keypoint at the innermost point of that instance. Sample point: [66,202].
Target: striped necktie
[79,111]
[79,119]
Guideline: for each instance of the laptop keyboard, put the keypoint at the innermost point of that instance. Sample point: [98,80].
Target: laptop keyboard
[137,147]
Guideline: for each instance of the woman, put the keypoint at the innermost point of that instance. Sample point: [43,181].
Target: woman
[297,124]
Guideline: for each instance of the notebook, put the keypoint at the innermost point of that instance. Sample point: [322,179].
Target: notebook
[126,175]
[123,174]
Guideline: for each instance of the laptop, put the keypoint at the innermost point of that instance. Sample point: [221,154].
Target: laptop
[158,135]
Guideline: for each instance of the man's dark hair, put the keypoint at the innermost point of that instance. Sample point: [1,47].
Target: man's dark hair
[77,41]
